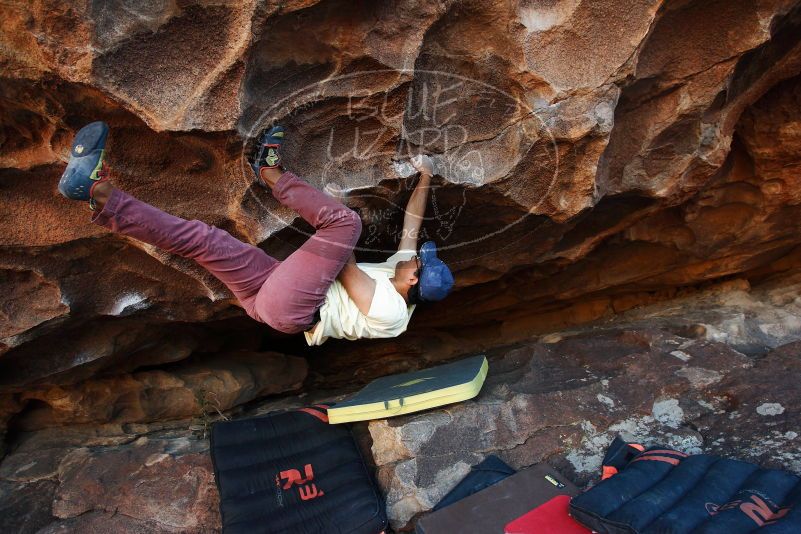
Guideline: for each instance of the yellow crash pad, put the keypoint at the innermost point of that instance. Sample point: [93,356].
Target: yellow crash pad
[411,392]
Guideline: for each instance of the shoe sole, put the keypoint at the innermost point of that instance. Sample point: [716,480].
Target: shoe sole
[86,159]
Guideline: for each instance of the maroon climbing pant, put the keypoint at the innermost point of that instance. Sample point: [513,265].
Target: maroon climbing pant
[284,294]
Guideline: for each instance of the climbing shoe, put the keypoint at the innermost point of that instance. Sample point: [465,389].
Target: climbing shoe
[267,152]
[86,167]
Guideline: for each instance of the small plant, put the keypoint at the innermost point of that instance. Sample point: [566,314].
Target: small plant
[209,403]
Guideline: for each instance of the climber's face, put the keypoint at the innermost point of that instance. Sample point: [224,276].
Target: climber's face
[408,271]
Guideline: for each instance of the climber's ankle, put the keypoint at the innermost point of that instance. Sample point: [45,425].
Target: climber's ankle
[270,175]
[101,192]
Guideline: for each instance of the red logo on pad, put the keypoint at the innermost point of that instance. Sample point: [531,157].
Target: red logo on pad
[306,488]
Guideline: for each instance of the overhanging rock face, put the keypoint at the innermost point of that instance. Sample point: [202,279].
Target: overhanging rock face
[591,156]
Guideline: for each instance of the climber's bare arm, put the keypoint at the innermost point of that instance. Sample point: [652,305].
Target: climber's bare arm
[359,286]
[416,207]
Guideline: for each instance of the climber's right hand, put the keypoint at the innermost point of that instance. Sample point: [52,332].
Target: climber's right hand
[423,164]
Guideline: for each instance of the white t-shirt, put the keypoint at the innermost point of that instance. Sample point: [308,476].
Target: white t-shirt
[388,315]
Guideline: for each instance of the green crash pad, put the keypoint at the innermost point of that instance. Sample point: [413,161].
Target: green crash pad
[411,392]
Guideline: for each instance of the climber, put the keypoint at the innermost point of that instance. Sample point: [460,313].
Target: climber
[319,289]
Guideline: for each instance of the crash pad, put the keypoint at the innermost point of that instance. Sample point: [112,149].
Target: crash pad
[659,489]
[414,391]
[489,471]
[553,517]
[293,472]
[491,509]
